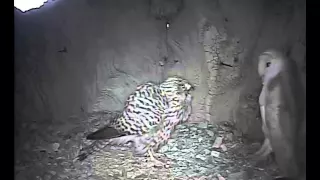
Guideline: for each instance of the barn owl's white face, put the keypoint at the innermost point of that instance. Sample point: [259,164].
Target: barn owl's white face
[270,64]
[264,63]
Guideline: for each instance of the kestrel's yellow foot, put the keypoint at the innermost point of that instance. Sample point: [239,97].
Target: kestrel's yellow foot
[159,155]
[152,158]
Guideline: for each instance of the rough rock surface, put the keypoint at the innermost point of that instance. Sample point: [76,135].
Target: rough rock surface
[196,151]
[68,61]
[79,56]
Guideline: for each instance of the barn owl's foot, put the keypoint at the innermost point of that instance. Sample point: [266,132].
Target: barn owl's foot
[263,152]
[263,157]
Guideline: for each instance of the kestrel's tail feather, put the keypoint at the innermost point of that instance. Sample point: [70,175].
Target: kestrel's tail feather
[96,146]
[105,133]
[100,145]
[102,138]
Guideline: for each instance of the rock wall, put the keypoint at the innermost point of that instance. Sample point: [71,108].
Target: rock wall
[80,56]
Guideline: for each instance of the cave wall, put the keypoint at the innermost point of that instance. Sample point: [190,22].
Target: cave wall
[80,56]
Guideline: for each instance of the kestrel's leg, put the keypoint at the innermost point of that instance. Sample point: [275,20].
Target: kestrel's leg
[152,158]
[152,154]
[143,144]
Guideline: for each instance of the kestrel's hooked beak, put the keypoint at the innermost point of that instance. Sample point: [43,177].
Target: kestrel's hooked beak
[192,88]
[189,87]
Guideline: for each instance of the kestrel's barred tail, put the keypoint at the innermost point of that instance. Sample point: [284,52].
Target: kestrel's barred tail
[96,146]
[102,139]
[105,133]
[100,145]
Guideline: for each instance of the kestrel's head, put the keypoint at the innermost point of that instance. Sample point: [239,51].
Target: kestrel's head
[271,63]
[185,85]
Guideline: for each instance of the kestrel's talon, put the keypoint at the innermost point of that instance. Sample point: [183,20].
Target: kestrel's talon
[152,158]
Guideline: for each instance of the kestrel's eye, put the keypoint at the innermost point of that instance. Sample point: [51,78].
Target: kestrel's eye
[268,64]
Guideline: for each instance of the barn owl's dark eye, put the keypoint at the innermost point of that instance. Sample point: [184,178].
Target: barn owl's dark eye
[268,64]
